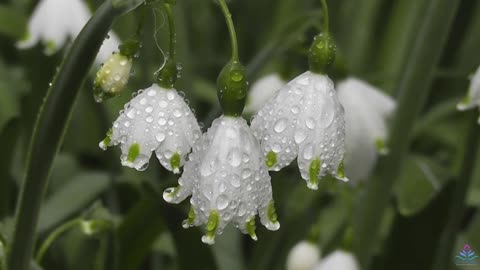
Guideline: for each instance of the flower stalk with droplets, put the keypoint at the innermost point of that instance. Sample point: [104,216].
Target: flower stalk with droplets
[54,22]
[225,174]
[472,99]
[156,119]
[305,119]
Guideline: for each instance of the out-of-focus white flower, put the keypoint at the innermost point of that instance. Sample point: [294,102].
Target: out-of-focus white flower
[473,97]
[228,181]
[304,120]
[112,77]
[303,256]
[262,90]
[159,120]
[366,113]
[54,22]
[338,260]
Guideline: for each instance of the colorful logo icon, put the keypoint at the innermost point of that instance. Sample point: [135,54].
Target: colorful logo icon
[467,257]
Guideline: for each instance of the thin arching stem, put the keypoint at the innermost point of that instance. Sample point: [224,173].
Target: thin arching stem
[231,29]
[54,235]
[325,16]
[173,33]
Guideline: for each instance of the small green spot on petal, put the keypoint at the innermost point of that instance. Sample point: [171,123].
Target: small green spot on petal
[50,46]
[314,172]
[271,212]
[271,159]
[250,226]
[212,226]
[382,148]
[341,172]
[175,162]
[190,221]
[133,152]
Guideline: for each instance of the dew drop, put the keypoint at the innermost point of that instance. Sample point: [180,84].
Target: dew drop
[280,125]
[163,104]
[131,113]
[149,109]
[170,95]
[310,123]
[222,202]
[234,158]
[235,181]
[160,137]
[152,93]
[308,152]
[149,119]
[162,121]
[300,136]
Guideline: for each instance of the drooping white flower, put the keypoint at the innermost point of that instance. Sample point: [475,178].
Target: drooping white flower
[54,22]
[262,90]
[304,120]
[303,256]
[338,260]
[366,113]
[473,97]
[228,181]
[156,119]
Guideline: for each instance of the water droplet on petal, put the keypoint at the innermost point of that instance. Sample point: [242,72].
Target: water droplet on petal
[170,95]
[310,123]
[235,181]
[300,136]
[222,202]
[280,125]
[160,137]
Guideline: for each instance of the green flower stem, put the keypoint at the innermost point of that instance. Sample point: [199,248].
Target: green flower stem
[457,206]
[414,87]
[51,125]
[53,236]
[325,16]
[173,33]
[231,29]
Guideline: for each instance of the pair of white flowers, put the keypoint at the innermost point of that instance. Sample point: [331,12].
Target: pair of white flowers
[306,256]
[54,22]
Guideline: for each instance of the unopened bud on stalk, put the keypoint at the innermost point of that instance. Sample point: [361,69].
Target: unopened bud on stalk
[114,74]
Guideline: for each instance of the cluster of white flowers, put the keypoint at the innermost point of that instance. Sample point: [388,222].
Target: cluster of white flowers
[54,22]
[306,256]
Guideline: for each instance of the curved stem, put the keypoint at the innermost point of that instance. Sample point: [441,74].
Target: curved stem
[51,125]
[53,236]
[173,33]
[325,16]
[231,29]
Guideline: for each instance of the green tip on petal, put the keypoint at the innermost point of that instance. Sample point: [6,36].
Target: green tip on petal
[250,226]
[341,172]
[133,152]
[50,46]
[381,146]
[212,226]
[190,220]
[271,212]
[271,159]
[465,103]
[314,171]
[107,141]
[175,162]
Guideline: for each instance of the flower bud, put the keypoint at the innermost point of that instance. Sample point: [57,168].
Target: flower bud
[95,226]
[322,53]
[303,256]
[232,88]
[112,77]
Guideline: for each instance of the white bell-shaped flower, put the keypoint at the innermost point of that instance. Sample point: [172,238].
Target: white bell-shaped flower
[304,120]
[303,256]
[112,77]
[262,90]
[228,181]
[54,22]
[156,119]
[472,99]
[366,113]
[338,260]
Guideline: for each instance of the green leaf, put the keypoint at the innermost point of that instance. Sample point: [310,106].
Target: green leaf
[421,180]
[71,198]
[12,23]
